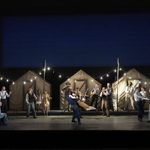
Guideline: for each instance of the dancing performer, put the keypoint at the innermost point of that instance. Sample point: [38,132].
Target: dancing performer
[30,100]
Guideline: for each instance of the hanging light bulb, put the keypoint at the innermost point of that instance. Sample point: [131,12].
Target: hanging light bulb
[48,68]
[35,78]
[13,83]
[1,78]
[101,78]
[107,75]
[40,73]
[7,80]
[24,82]
[31,80]
[120,69]
[115,70]
[60,76]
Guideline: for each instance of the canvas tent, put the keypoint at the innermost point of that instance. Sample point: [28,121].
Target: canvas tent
[80,80]
[131,76]
[19,89]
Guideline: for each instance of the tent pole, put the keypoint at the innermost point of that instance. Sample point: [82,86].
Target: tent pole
[117,82]
[44,75]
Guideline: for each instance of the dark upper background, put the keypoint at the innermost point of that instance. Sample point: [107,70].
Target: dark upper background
[75,33]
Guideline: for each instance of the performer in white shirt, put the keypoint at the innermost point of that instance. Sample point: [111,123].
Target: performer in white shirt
[3,96]
[3,116]
[138,100]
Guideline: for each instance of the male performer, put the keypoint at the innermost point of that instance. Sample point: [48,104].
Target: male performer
[30,100]
[67,90]
[138,100]
[73,99]
[3,116]
[95,94]
[4,95]
[109,97]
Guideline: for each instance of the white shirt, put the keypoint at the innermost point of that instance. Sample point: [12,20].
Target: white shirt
[4,94]
[143,93]
[137,96]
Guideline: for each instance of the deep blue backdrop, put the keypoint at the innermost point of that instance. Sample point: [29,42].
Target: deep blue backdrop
[79,40]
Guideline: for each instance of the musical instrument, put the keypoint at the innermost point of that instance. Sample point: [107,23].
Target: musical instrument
[83,98]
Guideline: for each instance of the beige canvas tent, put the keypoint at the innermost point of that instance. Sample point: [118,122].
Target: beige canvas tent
[131,76]
[19,89]
[80,80]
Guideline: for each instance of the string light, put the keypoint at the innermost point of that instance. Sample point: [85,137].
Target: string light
[60,76]
[40,73]
[115,70]
[7,80]
[107,75]
[48,68]
[31,80]
[24,82]
[92,80]
[101,78]
[1,78]
[120,69]
[35,78]
[13,83]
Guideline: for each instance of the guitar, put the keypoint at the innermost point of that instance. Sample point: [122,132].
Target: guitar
[93,92]
[84,96]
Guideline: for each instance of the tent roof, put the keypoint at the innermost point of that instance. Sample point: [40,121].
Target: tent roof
[32,73]
[137,75]
[81,72]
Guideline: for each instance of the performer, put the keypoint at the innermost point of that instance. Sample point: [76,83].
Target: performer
[46,102]
[95,95]
[129,97]
[67,90]
[149,109]
[4,95]
[144,94]
[30,101]
[73,99]
[3,116]
[138,100]
[104,107]
[109,97]
[39,99]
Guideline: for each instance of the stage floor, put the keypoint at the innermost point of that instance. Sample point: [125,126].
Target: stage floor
[61,112]
[63,122]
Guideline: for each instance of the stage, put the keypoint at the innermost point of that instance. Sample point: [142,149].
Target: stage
[90,113]
[63,122]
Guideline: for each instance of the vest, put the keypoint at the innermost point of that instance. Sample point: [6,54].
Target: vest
[31,98]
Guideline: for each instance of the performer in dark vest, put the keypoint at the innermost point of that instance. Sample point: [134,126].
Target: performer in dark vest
[30,100]
[66,90]
[104,107]
[109,97]
[95,95]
